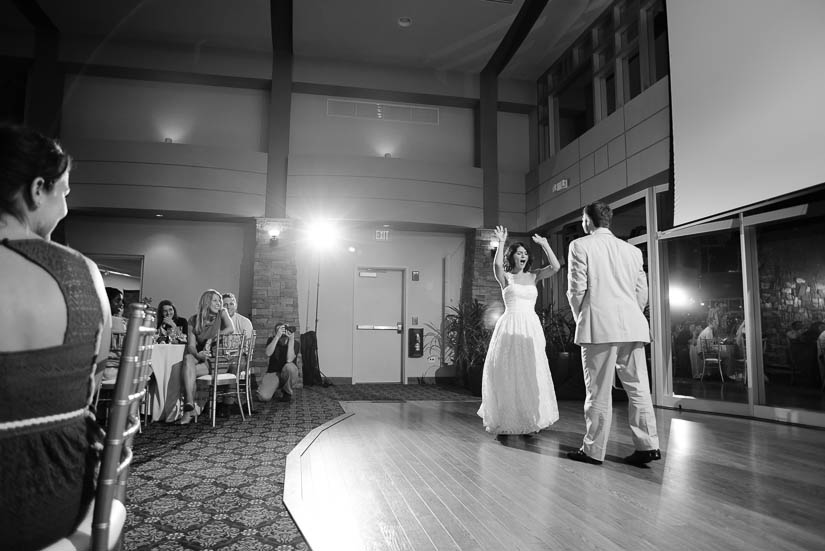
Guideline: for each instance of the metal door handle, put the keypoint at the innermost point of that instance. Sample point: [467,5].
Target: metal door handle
[398,327]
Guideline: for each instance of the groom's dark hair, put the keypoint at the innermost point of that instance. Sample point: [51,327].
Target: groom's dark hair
[600,213]
[509,261]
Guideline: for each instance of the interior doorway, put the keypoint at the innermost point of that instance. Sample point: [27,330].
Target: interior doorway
[379,326]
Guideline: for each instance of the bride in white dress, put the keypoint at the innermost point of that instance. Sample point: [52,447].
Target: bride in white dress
[517,393]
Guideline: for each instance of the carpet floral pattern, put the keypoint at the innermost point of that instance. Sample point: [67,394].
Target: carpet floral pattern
[195,487]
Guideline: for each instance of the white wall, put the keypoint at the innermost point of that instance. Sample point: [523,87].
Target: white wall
[424,252]
[312,132]
[97,108]
[374,188]
[181,258]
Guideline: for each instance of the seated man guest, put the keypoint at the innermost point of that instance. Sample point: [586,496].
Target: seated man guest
[242,323]
[242,326]
[172,329]
[284,355]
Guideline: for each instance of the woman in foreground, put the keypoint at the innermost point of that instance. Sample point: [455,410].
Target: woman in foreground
[54,326]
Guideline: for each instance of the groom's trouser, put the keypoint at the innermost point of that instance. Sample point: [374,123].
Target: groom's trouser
[598,362]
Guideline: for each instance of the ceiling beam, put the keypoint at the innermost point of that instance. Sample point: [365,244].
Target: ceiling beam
[518,31]
[281,25]
[32,11]
[280,105]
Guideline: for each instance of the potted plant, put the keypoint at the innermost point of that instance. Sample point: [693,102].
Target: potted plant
[467,336]
[559,332]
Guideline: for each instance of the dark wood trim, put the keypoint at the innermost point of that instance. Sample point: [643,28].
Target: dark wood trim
[488,117]
[518,31]
[518,108]
[377,94]
[159,75]
[181,77]
[35,15]
[280,107]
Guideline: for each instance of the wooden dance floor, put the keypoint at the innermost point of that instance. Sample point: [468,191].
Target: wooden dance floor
[425,475]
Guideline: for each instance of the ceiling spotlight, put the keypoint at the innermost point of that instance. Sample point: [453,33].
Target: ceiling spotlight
[404,22]
[159,216]
[351,249]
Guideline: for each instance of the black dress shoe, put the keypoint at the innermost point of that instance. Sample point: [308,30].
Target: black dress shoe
[582,457]
[640,457]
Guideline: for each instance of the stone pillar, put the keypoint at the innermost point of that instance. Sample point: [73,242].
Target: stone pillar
[274,285]
[478,281]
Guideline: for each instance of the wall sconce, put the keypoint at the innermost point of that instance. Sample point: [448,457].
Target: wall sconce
[493,248]
[274,234]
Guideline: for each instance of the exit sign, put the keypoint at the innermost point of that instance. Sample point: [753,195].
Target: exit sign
[382,235]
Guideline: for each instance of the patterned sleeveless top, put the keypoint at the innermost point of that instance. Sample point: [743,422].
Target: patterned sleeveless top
[47,465]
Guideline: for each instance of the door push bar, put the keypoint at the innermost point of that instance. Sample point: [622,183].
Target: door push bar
[398,327]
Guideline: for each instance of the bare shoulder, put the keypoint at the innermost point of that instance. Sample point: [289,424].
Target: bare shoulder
[28,290]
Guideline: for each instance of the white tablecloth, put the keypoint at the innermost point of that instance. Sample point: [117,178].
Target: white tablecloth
[166,364]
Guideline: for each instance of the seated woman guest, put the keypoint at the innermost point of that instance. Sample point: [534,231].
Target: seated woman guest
[47,362]
[171,328]
[115,296]
[211,321]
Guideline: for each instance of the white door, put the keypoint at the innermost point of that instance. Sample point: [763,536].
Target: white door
[379,326]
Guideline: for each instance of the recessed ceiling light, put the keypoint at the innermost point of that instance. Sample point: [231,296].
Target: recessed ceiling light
[386,225]
[404,22]
[159,215]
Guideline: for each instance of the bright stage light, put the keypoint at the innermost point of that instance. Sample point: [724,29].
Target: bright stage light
[322,233]
[678,297]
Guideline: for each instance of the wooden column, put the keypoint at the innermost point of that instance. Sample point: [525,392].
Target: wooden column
[280,105]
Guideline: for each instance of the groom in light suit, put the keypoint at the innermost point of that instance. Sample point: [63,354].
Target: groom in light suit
[607,291]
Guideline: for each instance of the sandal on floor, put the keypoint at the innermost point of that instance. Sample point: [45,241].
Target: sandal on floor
[190,413]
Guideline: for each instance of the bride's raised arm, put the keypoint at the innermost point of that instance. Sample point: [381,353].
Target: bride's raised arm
[500,235]
[553,266]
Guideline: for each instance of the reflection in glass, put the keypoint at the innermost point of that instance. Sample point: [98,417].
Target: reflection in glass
[706,302]
[792,305]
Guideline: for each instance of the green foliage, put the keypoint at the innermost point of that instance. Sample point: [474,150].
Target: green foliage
[466,336]
[559,330]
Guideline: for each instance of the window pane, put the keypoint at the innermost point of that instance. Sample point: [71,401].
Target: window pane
[634,76]
[660,66]
[610,92]
[629,220]
[792,305]
[630,34]
[706,311]
[576,108]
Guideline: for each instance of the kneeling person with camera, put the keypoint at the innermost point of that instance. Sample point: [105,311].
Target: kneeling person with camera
[283,369]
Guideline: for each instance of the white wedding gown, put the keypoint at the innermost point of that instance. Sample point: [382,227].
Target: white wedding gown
[517,393]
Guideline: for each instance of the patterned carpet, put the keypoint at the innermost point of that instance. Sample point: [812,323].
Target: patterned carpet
[195,487]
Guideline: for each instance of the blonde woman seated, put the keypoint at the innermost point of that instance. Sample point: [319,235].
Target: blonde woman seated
[211,321]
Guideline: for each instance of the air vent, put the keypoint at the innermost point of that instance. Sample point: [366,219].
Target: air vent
[382,111]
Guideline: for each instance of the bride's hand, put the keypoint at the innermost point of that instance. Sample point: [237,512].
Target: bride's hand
[539,240]
[500,233]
